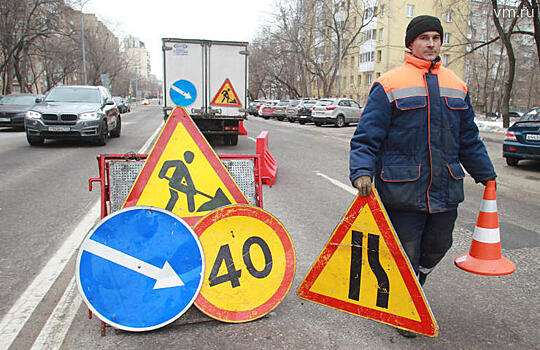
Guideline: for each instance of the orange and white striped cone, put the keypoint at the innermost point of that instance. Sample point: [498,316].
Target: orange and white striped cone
[484,257]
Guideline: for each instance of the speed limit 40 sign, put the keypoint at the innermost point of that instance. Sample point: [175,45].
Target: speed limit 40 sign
[250,263]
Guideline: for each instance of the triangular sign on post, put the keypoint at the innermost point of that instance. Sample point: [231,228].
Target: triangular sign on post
[183,174]
[226,96]
[363,270]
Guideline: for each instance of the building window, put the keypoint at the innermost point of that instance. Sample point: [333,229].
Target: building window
[372,58]
[383,8]
[359,80]
[368,79]
[379,55]
[447,38]
[378,74]
[410,10]
[449,16]
[445,60]
[381,31]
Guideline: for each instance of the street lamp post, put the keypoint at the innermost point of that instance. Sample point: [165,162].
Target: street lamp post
[340,17]
[83,48]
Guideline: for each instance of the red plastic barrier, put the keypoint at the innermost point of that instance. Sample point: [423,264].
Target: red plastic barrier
[241,128]
[268,163]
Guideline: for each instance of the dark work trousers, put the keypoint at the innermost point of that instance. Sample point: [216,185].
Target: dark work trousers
[425,237]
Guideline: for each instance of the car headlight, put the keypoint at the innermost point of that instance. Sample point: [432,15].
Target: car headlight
[33,115]
[89,116]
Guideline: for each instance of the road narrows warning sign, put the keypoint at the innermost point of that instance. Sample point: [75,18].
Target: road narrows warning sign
[183,174]
[226,96]
[363,270]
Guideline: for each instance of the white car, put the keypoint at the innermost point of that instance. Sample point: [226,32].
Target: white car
[338,111]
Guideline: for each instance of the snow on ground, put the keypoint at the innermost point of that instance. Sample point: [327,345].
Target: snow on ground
[490,124]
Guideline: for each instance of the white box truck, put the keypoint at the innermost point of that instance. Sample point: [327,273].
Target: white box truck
[209,79]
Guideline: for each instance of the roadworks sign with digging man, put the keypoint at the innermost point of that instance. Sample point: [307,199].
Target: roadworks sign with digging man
[183,174]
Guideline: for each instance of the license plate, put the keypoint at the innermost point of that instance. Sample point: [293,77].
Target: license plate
[532,137]
[59,128]
[5,120]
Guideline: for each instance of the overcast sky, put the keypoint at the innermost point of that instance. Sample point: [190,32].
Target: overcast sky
[151,20]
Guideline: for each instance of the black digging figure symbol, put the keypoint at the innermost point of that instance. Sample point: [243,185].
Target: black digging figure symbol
[181,181]
[226,96]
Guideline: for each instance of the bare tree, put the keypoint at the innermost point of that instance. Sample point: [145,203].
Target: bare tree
[21,24]
[307,42]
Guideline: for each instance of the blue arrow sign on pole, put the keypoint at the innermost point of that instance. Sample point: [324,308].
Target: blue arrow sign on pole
[140,268]
[183,93]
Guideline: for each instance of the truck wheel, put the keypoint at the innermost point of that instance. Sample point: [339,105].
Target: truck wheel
[512,161]
[318,124]
[301,122]
[35,140]
[340,121]
[118,129]
[231,139]
[280,119]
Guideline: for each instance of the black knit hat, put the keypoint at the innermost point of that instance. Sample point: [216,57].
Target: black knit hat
[422,24]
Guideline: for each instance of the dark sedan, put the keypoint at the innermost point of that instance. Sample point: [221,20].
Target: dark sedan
[304,111]
[13,109]
[74,112]
[522,139]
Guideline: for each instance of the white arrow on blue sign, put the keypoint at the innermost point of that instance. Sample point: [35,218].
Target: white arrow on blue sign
[140,268]
[183,93]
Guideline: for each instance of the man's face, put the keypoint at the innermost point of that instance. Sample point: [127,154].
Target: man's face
[427,45]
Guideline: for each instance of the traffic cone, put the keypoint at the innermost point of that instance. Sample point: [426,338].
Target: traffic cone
[241,128]
[484,257]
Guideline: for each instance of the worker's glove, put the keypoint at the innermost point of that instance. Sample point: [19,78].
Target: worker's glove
[363,184]
[484,182]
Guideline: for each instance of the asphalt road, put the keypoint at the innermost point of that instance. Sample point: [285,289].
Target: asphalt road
[44,196]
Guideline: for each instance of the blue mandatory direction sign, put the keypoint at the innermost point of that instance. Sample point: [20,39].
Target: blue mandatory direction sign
[183,93]
[140,268]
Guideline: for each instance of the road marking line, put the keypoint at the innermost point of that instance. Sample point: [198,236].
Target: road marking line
[53,333]
[20,312]
[15,319]
[338,183]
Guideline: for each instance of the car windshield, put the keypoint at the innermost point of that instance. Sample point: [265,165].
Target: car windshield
[531,116]
[23,100]
[309,103]
[325,102]
[73,94]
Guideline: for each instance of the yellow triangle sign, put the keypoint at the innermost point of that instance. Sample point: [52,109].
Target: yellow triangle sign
[363,270]
[183,174]
[226,96]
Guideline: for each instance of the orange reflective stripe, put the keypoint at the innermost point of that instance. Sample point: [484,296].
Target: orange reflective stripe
[448,80]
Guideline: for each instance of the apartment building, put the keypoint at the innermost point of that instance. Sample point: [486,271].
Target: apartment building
[380,45]
[138,56]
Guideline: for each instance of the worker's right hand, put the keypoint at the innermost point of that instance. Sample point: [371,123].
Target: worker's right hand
[363,184]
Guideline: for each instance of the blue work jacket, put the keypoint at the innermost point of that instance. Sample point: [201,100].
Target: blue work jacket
[415,133]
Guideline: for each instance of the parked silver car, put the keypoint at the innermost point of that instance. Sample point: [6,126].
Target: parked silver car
[338,111]
[280,110]
[291,110]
